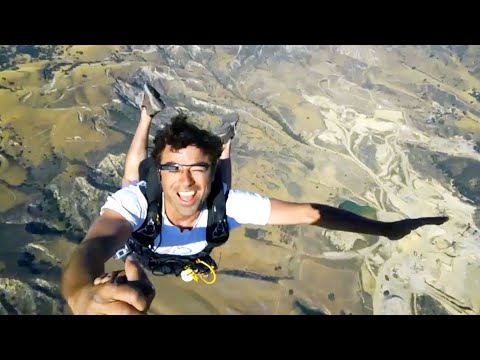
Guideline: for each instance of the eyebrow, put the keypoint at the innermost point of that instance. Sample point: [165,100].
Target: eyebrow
[201,163]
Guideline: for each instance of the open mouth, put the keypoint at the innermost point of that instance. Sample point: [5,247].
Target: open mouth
[186,197]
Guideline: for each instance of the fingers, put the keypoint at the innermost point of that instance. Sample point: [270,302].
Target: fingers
[124,293]
[131,286]
[105,277]
[115,276]
[146,288]
[438,220]
[121,278]
[118,308]
[133,270]
[137,277]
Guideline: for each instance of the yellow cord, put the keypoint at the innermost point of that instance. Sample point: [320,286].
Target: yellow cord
[211,270]
[189,271]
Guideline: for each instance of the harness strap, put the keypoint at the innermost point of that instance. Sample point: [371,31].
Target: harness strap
[164,264]
[217,231]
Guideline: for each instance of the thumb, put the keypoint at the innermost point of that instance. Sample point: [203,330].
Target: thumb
[136,275]
[133,270]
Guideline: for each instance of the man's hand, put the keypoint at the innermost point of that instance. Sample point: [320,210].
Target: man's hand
[133,275]
[398,229]
[130,294]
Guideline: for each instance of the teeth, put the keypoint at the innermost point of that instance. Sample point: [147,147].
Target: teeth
[186,193]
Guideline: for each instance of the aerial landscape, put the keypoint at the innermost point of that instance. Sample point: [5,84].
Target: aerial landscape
[388,132]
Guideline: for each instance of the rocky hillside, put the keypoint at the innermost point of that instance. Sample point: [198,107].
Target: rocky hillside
[386,131]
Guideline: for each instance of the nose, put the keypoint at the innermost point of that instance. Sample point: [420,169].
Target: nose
[186,178]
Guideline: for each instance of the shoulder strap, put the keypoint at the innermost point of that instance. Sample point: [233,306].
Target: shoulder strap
[150,228]
[217,225]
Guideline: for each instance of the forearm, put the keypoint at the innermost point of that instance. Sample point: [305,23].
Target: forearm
[138,148]
[337,219]
[288,213]
[87,262]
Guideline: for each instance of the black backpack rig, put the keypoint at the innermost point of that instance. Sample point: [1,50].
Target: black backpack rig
[141,241]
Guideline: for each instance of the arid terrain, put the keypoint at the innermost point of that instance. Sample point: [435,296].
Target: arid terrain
[385,131]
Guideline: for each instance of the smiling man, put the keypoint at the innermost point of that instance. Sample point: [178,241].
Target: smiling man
[171,222]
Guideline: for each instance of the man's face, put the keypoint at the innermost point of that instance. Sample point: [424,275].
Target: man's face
[185,188]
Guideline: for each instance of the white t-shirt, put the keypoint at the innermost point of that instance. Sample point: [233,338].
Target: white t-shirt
[242,208]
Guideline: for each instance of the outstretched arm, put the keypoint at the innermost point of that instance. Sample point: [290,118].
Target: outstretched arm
[225,165]
[137,150]
[108,233]
[152,104]
[287,213]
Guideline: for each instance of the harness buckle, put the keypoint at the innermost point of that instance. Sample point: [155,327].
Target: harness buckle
[150,227]
[122,253]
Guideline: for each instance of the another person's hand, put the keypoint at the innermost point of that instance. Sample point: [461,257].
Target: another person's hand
[125,296]
[399,229]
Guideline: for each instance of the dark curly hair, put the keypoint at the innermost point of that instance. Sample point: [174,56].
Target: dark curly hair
[180,133]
